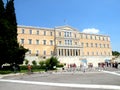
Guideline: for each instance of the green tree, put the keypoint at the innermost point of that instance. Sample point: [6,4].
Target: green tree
[34,62]
[51,62]
[11,52]
[115,53]
[42,64]
[11,35]
[2,34]
[26,62]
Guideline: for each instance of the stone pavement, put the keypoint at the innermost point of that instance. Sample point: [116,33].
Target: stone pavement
[93,70]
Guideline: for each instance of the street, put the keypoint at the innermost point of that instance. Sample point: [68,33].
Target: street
[97,80]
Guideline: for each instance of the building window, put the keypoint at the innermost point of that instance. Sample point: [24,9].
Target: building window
[88,53]
[51,42]
[104,53]
[30,31]
[96,45]
[23,31]
[65,42]
[37,32]
[44,52]
[75,43]
[86,37]
[81,36]
[99,38]
[22,41]
[86,44]
[37,52]
[59,33]
[30,41]
[44,33]
[75,36]
[70,34]
[104,45]
[100,46]
[37,42]
[30,52]
[51,33]
[51,52]
[96,53]
[91,44]
[95,37]
[60,42]
[70,42]
[106,38]
[44,42]
[93,53]
[67,34]
[82,44]
[108,46]
[91,37]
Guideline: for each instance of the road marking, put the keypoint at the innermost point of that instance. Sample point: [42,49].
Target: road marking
[93,86]
[114,73]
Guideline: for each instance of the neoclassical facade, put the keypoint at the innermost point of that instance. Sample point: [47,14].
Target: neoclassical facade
[68,44]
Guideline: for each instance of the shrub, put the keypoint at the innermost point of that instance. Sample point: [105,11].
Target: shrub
[42,64]
[23,67]
[26,62]
[60,65]
[34,62]
[51,62]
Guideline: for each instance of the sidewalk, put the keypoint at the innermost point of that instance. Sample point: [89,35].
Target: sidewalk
[93,70]
[12,74]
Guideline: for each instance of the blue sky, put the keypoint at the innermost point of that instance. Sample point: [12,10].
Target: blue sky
[101,15]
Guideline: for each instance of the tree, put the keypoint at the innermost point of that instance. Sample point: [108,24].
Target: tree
[2,9]
[26,62]
[2,33]
[11,52]
[34,62]
[42,64]
[51,62]
[115,53]
[16,53]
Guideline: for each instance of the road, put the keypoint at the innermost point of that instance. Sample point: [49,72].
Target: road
[95,80]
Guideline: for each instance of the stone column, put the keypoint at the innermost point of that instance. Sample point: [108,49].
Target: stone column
[60,52]
[70,52]
[57,52]
[79,52]
[75,52]
[66,52]
[63,52]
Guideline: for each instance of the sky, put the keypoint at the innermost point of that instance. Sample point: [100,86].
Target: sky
[94,16]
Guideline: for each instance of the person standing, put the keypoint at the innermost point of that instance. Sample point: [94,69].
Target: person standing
[84,67]
[29,68]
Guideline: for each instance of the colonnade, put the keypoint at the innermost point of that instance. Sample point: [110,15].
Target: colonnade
[68,52]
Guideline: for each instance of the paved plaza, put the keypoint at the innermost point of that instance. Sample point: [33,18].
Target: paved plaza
[108,79]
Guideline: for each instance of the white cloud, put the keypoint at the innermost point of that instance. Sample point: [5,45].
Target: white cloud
[91,30]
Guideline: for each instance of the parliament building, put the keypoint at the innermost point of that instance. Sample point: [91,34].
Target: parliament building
[66,43]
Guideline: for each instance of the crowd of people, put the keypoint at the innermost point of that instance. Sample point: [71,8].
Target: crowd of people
[108,64]
[83,66]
